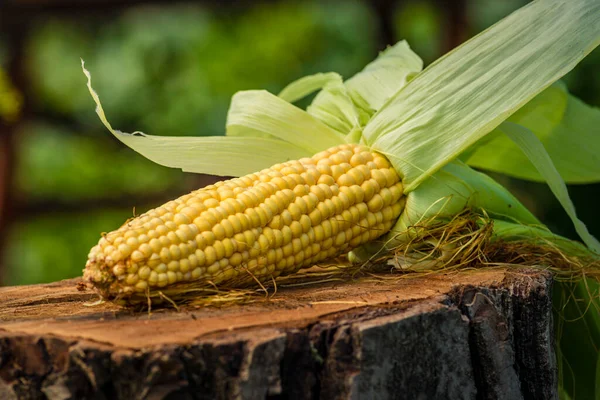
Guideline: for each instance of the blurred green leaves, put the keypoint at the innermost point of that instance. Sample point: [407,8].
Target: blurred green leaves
[172,70]
[55,164]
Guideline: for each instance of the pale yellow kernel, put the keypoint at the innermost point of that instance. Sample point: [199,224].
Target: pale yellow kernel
[278,238]
[355,192]
[358,159]
[300,190]
[163,280]
[185,233]
[144,272]
[227,229]
[327,228]
[379,176]
[164,241]
[348,217]
[319,233]
[133,242]
[315,217]
[299,258]
[209,238]
[337,171]
[171,225]
[250,237]
[226,208]
[206,219]
[171,277]
[295,211]
[211,202]
[145,249]
[172,237]
[236,224]
[201,257]
[371,220]
[388,213]
[368,188]
[338,158]
[305,223]
[153,278]
[346,180]
[171,266]
[318,191]
[155,245]
[197,273]
[335,190]
[376,203]
[296,228]
[235,259]
[175,252]
[386,196]
[265,213]
[305,240]
[380,161]
[290,262]
[161,267]
[219,250]
[396,191]
[229,246]
[210,254]
[133,268]
[288,249]
[340,239]
[253,216]
[245,221]
[213,269]
[287,234]
[326,180]
[280,182]
[252,264]
[276,222]
[338,205]
[165,254]
[358,176]
[118,270]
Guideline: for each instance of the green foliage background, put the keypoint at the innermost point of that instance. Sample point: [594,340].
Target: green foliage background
[171,70]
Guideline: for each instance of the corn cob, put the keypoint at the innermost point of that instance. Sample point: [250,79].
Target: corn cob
[259,226]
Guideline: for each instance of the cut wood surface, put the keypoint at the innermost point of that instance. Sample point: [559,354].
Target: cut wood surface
[474,334]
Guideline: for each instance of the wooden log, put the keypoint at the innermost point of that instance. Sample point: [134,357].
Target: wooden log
[484,334]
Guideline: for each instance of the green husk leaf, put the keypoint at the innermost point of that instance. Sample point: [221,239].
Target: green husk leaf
[382,78]
[467,93]
[256,113]
[534,150]
[335,108]
[568,129]
[304,86]
[347,107]
[209,155]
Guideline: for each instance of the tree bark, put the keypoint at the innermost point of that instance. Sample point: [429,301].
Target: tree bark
[483,334]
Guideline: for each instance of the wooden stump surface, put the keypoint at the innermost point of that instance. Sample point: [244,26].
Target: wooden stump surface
[484,334]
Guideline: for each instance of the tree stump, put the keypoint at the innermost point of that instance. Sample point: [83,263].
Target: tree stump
[478,334]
